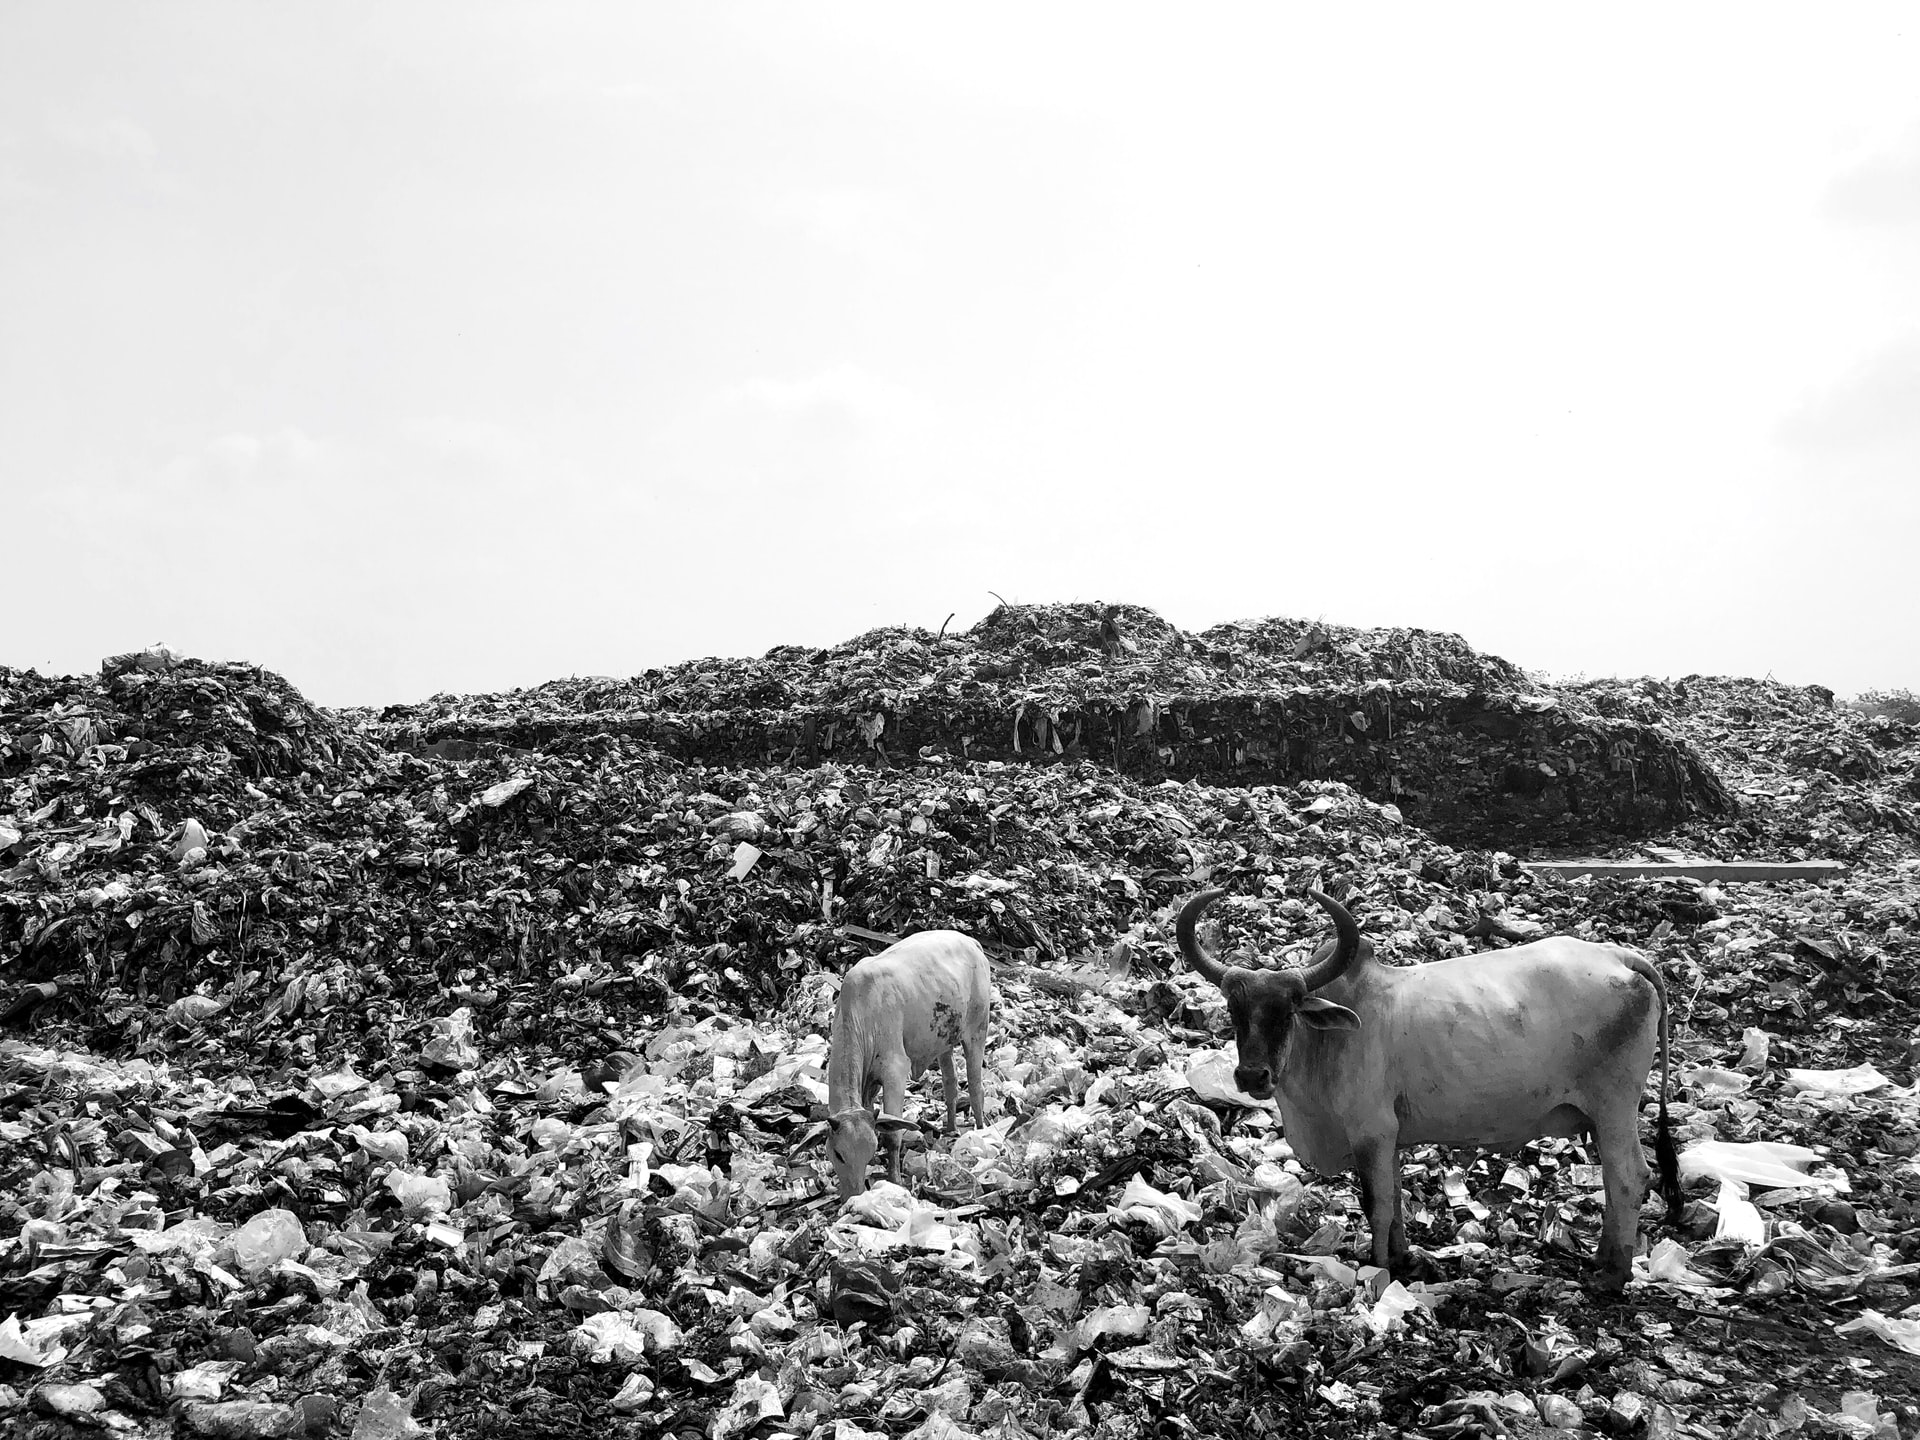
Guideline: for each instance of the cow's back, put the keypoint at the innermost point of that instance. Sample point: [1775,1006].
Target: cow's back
[1481,1048]
[937,982]
[1557,981]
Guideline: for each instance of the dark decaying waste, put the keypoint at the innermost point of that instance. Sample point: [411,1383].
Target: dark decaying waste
[450,1064]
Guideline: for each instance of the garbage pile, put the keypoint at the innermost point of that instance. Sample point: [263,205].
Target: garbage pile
[1466,744]
[434,1069]
[1813,779]
[368,879]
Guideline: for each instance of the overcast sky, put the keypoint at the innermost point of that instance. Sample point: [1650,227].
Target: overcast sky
[452,346]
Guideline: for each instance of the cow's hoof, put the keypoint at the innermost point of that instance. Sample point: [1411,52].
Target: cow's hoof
[1412,1265]
[1610,1282]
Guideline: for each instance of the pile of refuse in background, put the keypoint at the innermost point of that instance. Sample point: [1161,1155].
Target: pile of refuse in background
[454,1065]
[1464,744]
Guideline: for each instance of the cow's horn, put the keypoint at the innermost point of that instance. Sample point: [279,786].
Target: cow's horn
[1335,965]
[1195,953]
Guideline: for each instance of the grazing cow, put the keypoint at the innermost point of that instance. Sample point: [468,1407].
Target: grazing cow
[1551,1038]
[898,1012]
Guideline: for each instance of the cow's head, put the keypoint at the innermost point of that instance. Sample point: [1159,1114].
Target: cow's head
[853,1138]
[1266,1004]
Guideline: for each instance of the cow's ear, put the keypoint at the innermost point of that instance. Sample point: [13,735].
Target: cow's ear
[1325,1015]
[901,1132]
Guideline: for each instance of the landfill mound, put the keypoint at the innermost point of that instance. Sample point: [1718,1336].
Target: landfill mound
[1466,745]
[379,877]
[1812,779]
[172,718]
[182,831]
[358,1074]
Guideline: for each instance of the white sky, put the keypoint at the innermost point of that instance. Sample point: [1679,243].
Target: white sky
[432,346]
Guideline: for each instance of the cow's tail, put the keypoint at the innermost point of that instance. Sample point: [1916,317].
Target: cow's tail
[1666,1157]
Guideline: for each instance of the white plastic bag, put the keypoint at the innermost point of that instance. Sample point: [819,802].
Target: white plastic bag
[1165,1213]
[1210,1074]
[1766,1163]
[1858,1080]
[1901,1334]
[1740,1219]
[1667,1264]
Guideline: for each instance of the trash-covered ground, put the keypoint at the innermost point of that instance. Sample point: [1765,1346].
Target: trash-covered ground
[359,1076]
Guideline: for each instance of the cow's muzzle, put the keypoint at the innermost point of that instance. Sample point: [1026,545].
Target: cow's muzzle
[1257,1083]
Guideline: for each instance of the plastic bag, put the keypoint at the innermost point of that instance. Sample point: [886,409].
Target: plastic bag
[1396,1302]
[1740,1219]
[386,1416]
[1668,1264]
[1766,1163]
[1710,1081]
[1165,1213]
[1210,1074]
[420,1195]
[1901,1334]
[1858,1080]
[267,1239]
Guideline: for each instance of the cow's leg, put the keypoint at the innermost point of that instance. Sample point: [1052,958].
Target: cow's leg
[894,1074]
[1375,1169]
[1365,1184]
[1397,1241]
[976,1048]
[951,1086]
[1616,1134]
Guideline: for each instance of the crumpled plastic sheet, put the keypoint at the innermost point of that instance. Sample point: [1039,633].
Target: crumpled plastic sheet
[1740,1218]
[1165,1213]
[900,1220]
[420,1196]
[451,1043]
[1210,1075]
[977,1151]
[1333,1269]
[1857,1080]
[385,1415]
[1900,1333]
[1668,1264]
[38,1342]
[1125,1321]
[625,1336]
[1396,1302]
[882,1203]
[1769,1164]
[1280,1310]
[752,1401]
[1711,1081]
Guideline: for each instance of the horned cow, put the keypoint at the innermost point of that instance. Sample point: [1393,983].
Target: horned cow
[898,1012]
[1555,1037]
